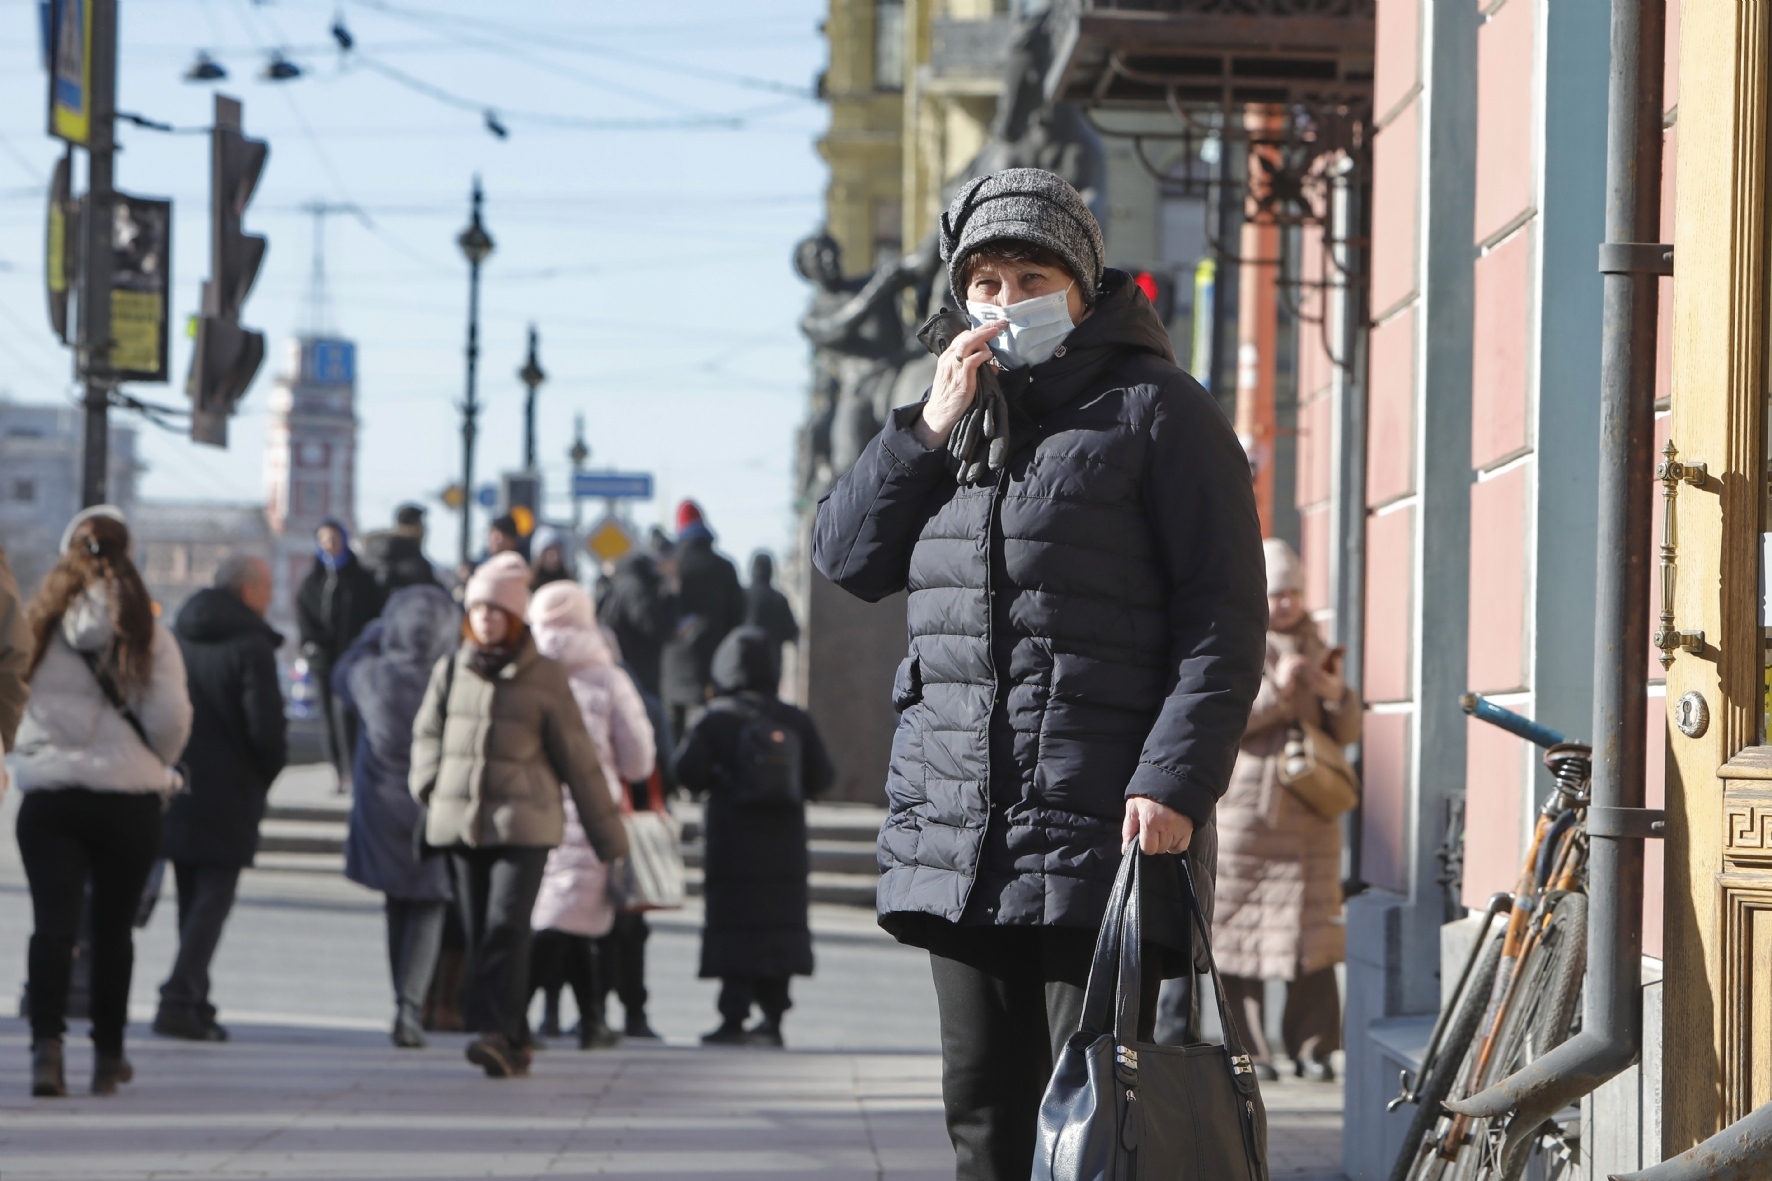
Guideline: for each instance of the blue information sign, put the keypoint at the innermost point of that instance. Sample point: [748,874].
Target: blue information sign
[612,485]
[487,495]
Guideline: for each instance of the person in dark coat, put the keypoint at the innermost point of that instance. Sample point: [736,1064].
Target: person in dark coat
[710,603]
[397,557]
[383,678]
[333,605]
[638,604]
[237,748]
[755,934]
[1087,613]
[766,607]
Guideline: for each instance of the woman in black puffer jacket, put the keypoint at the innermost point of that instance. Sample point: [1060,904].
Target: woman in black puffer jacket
[1087,614]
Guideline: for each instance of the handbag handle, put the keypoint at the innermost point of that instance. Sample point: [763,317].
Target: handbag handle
[1242,1070]
[1118,949]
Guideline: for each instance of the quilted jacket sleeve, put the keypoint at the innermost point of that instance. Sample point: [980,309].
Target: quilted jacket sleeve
[1202,512]
[869,520]
[574,759]
[427,735]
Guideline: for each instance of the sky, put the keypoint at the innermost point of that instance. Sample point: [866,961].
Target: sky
[658,170]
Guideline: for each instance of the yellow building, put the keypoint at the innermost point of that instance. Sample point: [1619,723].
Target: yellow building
[864,86]
[912,86]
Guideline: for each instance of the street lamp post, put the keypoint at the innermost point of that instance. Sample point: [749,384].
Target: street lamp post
[476,246]
[531,376]
[578,453]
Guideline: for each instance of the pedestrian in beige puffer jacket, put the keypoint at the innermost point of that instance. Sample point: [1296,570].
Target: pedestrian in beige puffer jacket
[1278,913]
[497,737]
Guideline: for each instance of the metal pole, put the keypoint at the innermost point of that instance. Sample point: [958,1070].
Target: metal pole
[95,268]
[470,409]
[531,376]
[1612,1024]
[1353,188]
[1226,295]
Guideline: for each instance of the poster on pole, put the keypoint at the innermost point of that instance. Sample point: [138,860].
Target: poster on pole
[141,245]
[70,70]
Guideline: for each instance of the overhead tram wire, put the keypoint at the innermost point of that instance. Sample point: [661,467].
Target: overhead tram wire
[555,40]
[461,102]
[578,76]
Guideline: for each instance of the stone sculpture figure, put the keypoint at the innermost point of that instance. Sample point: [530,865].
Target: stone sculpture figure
[866,357]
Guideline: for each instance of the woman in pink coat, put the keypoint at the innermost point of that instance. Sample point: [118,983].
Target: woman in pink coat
[573,907]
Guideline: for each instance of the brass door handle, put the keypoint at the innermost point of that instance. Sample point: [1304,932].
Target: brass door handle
[1671,472]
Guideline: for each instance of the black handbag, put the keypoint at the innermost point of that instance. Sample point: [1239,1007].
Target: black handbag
[1118,1109]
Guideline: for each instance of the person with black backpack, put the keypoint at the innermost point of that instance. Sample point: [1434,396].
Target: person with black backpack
[756,760]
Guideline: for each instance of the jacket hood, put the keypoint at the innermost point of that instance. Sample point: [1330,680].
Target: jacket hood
[564,624]
[420,626]
[213,615]
[86,624]
[762,570]
[746,660]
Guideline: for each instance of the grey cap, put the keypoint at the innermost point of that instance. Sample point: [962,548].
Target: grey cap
[1026,203]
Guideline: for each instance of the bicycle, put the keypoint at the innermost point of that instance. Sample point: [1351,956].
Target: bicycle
[1518,993]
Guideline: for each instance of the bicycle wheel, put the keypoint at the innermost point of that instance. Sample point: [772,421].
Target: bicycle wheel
[1540,1020]
[1420,1141]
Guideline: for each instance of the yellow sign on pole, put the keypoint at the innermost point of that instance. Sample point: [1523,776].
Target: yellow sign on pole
[70,72]
[610,539]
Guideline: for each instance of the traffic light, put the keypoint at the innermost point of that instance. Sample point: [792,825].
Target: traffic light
[1159,288]
[227,356]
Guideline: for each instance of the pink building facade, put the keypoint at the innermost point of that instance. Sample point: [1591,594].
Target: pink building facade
[1476,509]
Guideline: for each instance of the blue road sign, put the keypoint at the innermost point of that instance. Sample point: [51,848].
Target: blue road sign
[612,485]
[487,496]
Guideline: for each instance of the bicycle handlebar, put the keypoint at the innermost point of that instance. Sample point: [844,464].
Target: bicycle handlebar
[1485,710]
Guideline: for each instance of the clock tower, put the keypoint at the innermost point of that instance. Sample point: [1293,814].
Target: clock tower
[310,459]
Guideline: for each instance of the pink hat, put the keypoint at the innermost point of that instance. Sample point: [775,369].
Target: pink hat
[503,581]
[562,604]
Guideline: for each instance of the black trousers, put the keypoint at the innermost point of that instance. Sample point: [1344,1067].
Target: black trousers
[341,725]
[622,962]
[1009,998]
[560,958]
[67,838]
[495,889]
[205,899]
[415,936]
[739,993]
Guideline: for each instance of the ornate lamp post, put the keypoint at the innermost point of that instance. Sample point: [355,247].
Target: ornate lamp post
[476,246]
[577,454]
[531,376]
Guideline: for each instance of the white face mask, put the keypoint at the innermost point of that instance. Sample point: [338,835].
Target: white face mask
[1036,327]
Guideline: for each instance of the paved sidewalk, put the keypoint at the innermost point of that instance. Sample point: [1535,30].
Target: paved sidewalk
[309,1088]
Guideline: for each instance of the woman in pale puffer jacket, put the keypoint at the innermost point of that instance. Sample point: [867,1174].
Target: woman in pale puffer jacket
[573,907]
[109,714]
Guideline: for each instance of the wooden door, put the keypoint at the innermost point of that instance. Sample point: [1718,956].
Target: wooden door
[1717,1015]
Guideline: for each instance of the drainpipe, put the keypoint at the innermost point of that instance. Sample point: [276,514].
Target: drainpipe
[1737,1153]
[1612,1025]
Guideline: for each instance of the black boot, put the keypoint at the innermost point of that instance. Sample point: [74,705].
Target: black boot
[47,1079]
[550,1013]
[594,1033]
[408,1032]
[639,1027]
[730,1033]
[766,1032]
[108,1071]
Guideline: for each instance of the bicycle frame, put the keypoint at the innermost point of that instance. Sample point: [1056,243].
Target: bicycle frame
[1546,874]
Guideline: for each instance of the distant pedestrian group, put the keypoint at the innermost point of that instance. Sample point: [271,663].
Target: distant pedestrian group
[496,744]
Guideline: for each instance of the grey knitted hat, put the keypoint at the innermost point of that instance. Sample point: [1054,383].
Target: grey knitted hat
[1026,203]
